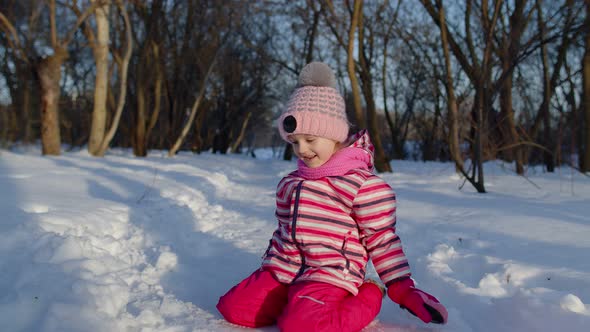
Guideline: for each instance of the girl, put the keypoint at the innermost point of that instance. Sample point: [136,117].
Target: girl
[333,215]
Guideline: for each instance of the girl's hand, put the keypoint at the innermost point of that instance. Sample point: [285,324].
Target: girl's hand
[419,303]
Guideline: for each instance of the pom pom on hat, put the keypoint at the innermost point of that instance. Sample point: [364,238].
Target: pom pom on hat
[317,74]
[315,107]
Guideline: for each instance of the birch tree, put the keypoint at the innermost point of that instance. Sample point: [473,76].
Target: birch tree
[123,64]
[100,50]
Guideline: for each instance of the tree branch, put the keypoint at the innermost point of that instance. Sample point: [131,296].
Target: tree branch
[81,20]
[14,42]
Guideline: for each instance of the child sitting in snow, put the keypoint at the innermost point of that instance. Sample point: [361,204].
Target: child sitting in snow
[333,215]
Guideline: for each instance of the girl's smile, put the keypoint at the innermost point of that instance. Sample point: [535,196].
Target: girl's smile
[314,151]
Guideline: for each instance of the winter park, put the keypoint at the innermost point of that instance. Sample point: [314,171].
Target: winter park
[416,165]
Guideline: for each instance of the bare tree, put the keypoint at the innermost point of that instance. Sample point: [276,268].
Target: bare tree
[49,74]
[551,76]
[123,69]
[194,109]
[350,63]
[413,87]
[340,26]
[149,74]
[305,24]
[310,43]
[479,71]
[366,50]
[452,109]
[361,67]
[387,36]
[100,49]
[508,50]
[17,68]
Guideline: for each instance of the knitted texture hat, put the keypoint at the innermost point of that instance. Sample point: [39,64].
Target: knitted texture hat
[315,107]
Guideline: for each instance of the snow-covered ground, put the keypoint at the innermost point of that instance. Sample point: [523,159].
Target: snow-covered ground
[130,244]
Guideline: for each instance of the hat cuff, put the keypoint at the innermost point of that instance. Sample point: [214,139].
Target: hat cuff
[316,124]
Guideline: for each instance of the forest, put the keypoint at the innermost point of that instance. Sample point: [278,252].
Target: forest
[464,81]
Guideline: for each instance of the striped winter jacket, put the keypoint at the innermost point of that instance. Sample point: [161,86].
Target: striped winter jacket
[329,226]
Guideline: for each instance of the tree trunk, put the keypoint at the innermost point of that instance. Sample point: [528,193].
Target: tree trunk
[49,71]
[547,88]
[13,126]
[585,159]
[140,118]
[194,109]
[384,90]
[381,162]
[354,84]
[199,143]
[478,148]
[507,125]
[430,145]
[100,50]
[4,139]
[560,61]
[479,73]
[142,95]
[10,126]
[509,49]
[240,138]
[123,70]
[157,94]
[452,111]
[26,109]
[19,125]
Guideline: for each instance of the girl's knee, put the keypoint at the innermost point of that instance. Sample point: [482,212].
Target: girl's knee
[255,302]
[238,310]
[310,312]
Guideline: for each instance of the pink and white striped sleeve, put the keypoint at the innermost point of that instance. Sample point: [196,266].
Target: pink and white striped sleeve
[374,211]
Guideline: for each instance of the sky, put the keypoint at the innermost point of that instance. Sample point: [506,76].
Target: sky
[149,244]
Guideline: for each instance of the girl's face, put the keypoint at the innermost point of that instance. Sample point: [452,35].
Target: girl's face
[314,151]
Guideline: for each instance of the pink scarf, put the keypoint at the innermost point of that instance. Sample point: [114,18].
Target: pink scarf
[339,164]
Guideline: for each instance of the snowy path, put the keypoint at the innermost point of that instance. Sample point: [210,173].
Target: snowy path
[122,246]
[127,244]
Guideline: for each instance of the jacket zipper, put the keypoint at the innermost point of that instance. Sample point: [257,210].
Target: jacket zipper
[343,252]
[267,248]
[293,227]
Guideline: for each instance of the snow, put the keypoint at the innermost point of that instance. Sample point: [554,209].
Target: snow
[149,244]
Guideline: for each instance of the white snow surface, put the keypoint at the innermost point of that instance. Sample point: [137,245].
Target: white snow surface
[149,244]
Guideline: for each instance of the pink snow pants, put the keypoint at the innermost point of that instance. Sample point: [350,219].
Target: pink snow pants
[260,300]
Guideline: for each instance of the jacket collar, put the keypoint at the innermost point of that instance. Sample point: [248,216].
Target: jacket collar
[358,154]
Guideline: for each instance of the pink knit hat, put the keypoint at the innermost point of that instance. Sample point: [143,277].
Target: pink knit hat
[315,107]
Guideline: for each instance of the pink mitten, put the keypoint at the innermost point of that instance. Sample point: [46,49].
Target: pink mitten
[419,303]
